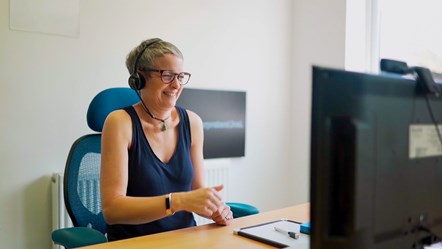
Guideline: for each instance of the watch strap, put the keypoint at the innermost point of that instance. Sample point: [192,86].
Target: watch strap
[169,204]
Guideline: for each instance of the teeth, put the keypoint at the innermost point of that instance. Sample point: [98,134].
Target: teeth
[170,94]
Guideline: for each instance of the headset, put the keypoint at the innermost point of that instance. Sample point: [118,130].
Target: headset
[136,81]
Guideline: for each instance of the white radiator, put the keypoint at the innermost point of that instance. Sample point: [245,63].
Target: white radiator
[213,175]
[60,217]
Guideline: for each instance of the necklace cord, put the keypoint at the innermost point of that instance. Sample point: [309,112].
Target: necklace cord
[163,127]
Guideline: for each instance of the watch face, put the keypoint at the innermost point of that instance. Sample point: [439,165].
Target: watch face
[168,203]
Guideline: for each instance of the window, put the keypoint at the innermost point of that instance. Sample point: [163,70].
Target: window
[406,30]
[411,31]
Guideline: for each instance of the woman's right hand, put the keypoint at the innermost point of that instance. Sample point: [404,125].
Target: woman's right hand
[203,201]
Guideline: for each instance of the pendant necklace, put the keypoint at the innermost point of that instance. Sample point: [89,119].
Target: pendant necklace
[163,127]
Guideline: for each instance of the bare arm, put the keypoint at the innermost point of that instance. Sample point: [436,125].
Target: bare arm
[117,207]
[196,153]
[196,150]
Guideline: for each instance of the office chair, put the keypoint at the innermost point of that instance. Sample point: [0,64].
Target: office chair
[82,176]
[81,181]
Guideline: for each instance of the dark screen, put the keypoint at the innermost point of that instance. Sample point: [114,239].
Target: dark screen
[376,162]
[224,119]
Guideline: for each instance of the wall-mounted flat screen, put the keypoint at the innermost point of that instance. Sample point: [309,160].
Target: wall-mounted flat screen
[224,118]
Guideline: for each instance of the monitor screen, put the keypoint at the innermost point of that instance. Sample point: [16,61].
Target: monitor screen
[224,119]
[376,162]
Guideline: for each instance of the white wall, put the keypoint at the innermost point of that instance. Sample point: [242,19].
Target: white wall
[263,47]
[318,39]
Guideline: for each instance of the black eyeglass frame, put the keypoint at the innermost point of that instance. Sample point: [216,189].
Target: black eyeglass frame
[175,75]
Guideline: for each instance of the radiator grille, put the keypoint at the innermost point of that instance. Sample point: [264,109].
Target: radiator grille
[60,217]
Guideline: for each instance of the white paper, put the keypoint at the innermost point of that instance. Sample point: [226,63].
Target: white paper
[267,231]
[424,141]
[434,246]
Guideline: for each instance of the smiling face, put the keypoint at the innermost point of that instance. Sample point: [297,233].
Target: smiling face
[156,92]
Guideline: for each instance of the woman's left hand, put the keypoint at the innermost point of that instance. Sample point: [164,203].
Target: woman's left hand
[223,216]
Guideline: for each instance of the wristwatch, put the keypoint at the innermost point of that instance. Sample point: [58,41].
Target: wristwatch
[169,204]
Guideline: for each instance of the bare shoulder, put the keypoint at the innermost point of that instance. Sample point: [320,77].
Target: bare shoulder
[196,128]
[118,120]
[194,119]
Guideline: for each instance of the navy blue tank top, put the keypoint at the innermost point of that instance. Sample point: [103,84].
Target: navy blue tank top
[149,176]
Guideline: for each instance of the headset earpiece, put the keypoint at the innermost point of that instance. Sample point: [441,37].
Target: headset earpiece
[137,81]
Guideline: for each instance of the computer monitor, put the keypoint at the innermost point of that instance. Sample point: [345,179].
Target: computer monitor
[376,162]
[224,119]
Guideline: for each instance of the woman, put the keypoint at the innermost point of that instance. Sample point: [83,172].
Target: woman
[152,159]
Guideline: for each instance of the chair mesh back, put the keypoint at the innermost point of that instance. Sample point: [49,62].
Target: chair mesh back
[82,173]
[82,183]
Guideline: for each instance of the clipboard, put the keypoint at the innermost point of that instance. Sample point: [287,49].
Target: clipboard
[266,233]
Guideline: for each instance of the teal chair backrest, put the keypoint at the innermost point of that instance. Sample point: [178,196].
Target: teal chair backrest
[82,173]
[107,101]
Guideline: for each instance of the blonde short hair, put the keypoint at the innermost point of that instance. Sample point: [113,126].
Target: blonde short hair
[150,49]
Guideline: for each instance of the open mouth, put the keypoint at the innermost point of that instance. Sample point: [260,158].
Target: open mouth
[169,94]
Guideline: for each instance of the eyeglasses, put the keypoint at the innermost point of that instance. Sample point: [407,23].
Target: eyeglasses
[168,76]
